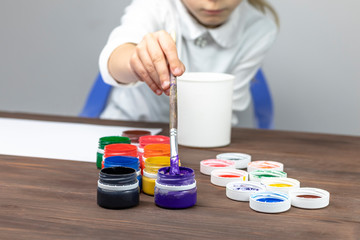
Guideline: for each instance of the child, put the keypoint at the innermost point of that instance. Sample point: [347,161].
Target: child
[229,36]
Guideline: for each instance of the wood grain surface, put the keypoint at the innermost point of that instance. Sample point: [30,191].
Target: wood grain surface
[56,199]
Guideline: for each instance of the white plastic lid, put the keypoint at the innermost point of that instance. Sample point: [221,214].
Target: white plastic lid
[309,198]
[241,191]
[255,165]
[208,165]
[269,202]
[257,175]
[280,184]
[241,159]
[221,177]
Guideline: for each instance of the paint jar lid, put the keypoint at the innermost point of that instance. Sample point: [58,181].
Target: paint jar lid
[120,149]
[270,202]
[221,177]
[280,184]
[257,175]
[208,165]
[241,159]
[309,198]
[255,165]
[241,191]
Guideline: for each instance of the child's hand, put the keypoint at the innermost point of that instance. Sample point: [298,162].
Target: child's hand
[151,61]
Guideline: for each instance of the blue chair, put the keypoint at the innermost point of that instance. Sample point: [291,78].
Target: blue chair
[263,106]
[262,101]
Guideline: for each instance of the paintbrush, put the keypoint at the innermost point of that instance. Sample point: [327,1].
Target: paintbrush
[174,159]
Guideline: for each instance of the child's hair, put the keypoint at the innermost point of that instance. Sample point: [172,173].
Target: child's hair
[263,6]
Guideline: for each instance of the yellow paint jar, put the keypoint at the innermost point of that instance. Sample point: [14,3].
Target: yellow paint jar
[151,167]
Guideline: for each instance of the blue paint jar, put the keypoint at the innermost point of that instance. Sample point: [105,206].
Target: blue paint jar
[118,188]
[124,161]
[175,191]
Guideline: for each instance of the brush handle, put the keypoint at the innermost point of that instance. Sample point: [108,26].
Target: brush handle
[174,163]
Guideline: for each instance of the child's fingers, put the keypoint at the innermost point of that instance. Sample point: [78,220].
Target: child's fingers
[159,61]
[168,46]
[143,75]
[147,63]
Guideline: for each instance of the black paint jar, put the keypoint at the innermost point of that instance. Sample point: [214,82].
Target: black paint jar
[118,188]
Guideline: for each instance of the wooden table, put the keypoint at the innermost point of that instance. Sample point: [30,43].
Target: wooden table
[56,199]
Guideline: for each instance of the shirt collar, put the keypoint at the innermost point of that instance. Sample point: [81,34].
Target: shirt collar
[226,35]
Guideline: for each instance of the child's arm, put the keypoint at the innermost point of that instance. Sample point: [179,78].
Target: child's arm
[148,61]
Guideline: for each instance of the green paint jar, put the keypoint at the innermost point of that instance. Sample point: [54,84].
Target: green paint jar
[103,141]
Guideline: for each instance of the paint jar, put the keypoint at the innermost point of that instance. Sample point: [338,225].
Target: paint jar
[134,135]
[103,141]
[119,150]
[124,161]
[118,188]
[152,165]
[146,140]
[175,191]
[156,150]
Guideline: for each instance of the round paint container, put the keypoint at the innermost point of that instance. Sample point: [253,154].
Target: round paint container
[221,177]
[262,165]
[280,184]
[270,202]
[118,188]
[309,198]
[257,175]
[175,191]
[103,141]
[119,149]
[152,165]
[208,165]
[124,161]
[241,159]
[146,140]
[241,191]
[134,135]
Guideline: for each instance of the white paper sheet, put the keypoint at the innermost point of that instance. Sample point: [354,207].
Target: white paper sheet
[45,139]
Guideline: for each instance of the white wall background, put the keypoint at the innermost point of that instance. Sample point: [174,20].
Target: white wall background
[49,51]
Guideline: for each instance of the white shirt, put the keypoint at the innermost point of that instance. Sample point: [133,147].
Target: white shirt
[237,47]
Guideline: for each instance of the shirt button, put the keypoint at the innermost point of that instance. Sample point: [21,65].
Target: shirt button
[200,42]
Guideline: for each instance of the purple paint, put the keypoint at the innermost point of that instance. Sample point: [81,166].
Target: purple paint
[175,191]
[174,165]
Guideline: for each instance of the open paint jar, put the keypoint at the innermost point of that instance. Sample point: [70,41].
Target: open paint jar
[146,140]
[103,141]
[134,135]
[175,191]
[272,165]
[257,175]
[118,188]
[124,161]
[152,165]
[119,150]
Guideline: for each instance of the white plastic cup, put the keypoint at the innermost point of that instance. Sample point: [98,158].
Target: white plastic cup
[204,109]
